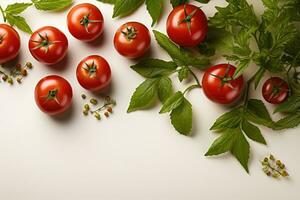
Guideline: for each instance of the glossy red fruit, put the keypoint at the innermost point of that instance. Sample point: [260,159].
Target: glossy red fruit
[187,25]
[275,90]
[53,94]
[132,40]
[93,73]
[48,45]
[219,86]
[9,43]
[85,22]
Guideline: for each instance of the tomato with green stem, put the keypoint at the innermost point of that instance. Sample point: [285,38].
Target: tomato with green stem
[9,43]
[219,85]
[275,90]
[187,25]
[85,22]
[53,94]
[48,45]
[93,73]
[132,40]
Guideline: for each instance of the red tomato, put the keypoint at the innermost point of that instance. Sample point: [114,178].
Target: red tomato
[187,25]
[219,86]
[48,45]
[53,94]
[275,90]
[85,22]
[132,39]
[93,73]
[9,43]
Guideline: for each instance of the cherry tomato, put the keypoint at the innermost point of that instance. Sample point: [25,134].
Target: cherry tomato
[132,39]
[53,94]
[187,25]
[48,45]
[219,86]
[85,22]
[93,73]
[9,43]
[275,90]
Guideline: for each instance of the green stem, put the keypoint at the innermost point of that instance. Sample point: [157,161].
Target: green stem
[102,107]
[190,88]
[247,91]
[195,77]
[3,14]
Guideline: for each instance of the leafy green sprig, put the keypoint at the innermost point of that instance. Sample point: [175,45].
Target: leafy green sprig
[12,12]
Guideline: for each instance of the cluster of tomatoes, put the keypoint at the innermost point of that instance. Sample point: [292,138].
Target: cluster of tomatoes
[186,26]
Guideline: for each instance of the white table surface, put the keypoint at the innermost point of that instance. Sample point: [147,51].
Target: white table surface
[136,156]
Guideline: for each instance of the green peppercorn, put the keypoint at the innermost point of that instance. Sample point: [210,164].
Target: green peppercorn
[24,72]
[97,116]
[272,157]
[284,174]
[94,101]
[278,163]
[10,80]
[85,112]
[19,80]
[29,65]
[4,78]
[86,107]
[266,159]
[83,96]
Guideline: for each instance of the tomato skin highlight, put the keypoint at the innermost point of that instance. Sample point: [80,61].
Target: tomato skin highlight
[63,94]
[275,90]
[93,73]
[85,22]
[48,45]
[135,45]
[178,30]
[9,43]
[218,92]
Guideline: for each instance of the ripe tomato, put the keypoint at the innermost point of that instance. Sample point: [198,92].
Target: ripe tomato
[9,43]
[187,25]
[85,22]
[48,45]
[275,90]
[132,39]
[93,73]
[219,86]
[53,94]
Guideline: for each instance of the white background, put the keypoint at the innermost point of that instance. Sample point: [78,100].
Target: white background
[136,156]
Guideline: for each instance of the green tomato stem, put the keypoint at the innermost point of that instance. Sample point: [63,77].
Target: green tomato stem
[190,88]
[3,14]
[195,77]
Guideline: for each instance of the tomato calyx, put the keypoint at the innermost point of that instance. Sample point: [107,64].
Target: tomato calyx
[277,89]
[52,95]
[130,33]
[188,18]
[85,21]
[225,80]
[44,42]
[2,38]
[91,69]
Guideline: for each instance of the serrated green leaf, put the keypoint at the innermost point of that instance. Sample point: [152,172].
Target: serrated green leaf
[155,9]
[181,118]
[183,73]
[289,106]
[144,95]
[51,4]
[151,68]
[126,7]
[19,22]
[290,121]
[17,8]
[108,1]
[223,143]
[228,120]
[165,89]
[253,132]
[241,149]
[172,102]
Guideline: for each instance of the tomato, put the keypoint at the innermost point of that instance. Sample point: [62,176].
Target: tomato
[275,90]
[132,40]
[53,94]
[219,86]
[48,45]
[187,25]
[9,43]
[93,73]
[85,22]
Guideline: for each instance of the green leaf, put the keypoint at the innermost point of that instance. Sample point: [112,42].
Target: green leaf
[223,143]
[151,68]
[177,2]
[289,106]
[144,95]
[51,4]
[108,1]
[290,121]
[203,1]
[172,102]
[183,73]
[165,89]
[181,117]
[126,7]
[155,9]
[241,149]
[258,76]
[253,132]
[228,120]
[17,8]
[19,22]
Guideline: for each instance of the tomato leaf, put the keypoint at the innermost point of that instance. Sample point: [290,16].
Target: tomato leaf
[17,8]
[19,22]
[108,1]
[290,121]
[144,95]
[51,4]
[126,7]
[183,73]
[289,106]
[165,89]
[182,117]
[253,132]
[172,102]
[203,1]
[178,2]
[228,120]
[155,9]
